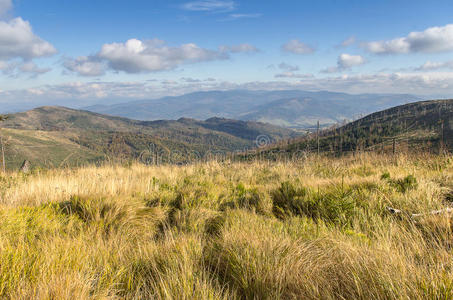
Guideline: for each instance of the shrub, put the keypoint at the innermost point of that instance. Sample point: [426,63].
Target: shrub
[403,184]
[385,176]
[334,205]
[288,200]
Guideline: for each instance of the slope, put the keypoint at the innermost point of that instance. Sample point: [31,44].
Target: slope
[48,135]
[420,126]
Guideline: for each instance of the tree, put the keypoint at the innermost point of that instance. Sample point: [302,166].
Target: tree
[3,118]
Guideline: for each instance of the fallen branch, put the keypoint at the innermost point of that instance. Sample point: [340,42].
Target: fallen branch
[395,211]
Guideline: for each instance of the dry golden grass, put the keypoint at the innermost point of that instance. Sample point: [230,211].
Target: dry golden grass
[313,229]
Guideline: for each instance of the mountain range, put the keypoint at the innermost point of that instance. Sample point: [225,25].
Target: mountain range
[291,108]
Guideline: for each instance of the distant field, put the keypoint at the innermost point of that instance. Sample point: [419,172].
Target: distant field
[313,229]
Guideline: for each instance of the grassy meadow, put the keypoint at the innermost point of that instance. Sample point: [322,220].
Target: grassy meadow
[312,229]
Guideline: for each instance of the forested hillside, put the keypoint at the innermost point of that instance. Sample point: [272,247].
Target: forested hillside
[58,136]
[420,126]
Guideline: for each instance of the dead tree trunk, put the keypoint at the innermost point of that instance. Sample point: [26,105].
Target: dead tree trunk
[3,155]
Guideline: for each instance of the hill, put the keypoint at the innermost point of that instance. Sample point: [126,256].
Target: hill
[54,135]
[424,125]
[292,108]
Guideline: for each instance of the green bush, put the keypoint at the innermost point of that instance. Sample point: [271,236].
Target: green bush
[248,198]
[335,205]
[403,184]
[288,200]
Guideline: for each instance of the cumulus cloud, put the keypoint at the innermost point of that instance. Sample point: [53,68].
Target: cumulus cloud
[85,65]
[135,56]
[297,47]
[210,6]
[19,45]
[345,62]
[5,6]
[431,40]
[18,40]
[429,66]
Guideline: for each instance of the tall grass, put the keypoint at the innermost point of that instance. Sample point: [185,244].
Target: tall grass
[313,229]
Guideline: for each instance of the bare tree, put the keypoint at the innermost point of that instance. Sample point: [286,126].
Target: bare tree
[3,118]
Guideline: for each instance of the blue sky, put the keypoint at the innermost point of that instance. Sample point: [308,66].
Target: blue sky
[103,51]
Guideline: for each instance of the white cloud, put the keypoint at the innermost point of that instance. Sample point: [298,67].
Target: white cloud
[19,45]
[288,67]
[85,66]
[330,70]
[210,6]
[297,47]
[345,62]
[5,6]
[348,42]
[15,68]
[18,40]
[135,56]
[190,80]
[242,48]
[429,66]
[233,17]
[293,75]
[440,83]
[415,83]
[32,68]
[431,40]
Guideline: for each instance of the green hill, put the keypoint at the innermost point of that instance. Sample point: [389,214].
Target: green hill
[420,126]
[56,136]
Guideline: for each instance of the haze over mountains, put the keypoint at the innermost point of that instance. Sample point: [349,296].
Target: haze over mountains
[291,108]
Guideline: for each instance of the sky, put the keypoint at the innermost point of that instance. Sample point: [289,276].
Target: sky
[99,51]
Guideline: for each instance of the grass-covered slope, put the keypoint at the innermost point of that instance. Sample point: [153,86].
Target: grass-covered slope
[314,229]
[80,137]
[46,148]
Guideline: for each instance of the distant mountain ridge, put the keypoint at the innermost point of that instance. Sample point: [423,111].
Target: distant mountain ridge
[291,108]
